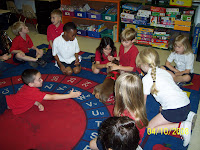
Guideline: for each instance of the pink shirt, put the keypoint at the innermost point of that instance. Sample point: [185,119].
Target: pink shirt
[98,57]
[53,32]
[19,43]
[24,99]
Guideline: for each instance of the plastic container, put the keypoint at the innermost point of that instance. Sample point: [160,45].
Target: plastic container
[82,32]
[108,33]
[94,16]
[94,34]
[68,13]
[108,17]
[80,14]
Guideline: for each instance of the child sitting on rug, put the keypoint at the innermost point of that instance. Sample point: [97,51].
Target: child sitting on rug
[65,50]
[175,114]
[127,53]
[105,53]
[129,100]
[30,95]
[53,31]
[23,48]
[117,133]
[183,57]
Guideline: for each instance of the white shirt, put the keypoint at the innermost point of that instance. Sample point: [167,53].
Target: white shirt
[169,95]
[65,50]
[183,62]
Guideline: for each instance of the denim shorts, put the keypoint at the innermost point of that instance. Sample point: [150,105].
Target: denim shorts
[3,103]
[176,115]
[31,53]
[190,74]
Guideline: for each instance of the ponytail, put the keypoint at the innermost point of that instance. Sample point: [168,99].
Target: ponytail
[153,75]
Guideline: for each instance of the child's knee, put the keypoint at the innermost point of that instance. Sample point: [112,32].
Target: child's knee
[77,70]
[93,144]
[69,72]
[96,71]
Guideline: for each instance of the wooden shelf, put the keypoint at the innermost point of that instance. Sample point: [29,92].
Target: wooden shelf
[117,2]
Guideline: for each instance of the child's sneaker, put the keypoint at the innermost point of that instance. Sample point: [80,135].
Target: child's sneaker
[192,118]
[33,64]
[185,132]
[41,62]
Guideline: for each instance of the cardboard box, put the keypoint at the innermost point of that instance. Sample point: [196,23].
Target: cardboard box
[182,27]
[127,16]
[186,17]
[183,3]
[184,23]
[158,9]
[196,38]
[145,29]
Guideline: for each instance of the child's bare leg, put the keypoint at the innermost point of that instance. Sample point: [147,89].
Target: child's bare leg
[77,69]
[25,58]
[162,67]
[184,78]
[94,69]
[93,144]
[68,71]
[39,53]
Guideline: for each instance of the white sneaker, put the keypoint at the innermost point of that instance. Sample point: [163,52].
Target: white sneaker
[192,118]
[185,132]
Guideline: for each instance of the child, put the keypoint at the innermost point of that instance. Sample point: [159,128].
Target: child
[128,52]
[30,95]
[65,50]
[21,45]
[53,31]
[183,57]
[129,100]
[105,53]
[175,113]
[117,133]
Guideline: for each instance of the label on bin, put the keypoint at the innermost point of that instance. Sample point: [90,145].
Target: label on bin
[79,14]
[67,13]
[107,17]
[93,16]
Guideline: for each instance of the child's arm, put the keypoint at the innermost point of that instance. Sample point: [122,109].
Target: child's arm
[51,43]
[100,66]
[77,59]
[168,64]
[180,73]
[18,51]
[40,106]
[122,68]
[145,98]
[72,94]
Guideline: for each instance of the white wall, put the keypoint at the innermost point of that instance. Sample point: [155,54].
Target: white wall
[19,3]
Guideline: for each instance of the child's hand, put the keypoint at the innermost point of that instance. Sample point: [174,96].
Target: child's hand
[114,67]
[109,64]
[74,94]
[77,63]
[63,69]
[40,107]
[110,58]
[22,54]
[5,56]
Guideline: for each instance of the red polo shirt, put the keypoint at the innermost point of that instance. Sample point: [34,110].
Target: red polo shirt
[98,57]
[128,58]
[53,32]
[19,43]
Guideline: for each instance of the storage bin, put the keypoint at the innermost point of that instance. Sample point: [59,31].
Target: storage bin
[82,32]
[94,34]
[108,33]
[80,14]
[68,13]
[108,17]
[94,16]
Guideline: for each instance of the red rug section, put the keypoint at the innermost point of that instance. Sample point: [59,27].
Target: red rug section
[50,129]
[195,83]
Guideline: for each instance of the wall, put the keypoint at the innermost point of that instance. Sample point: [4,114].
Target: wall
[19,3]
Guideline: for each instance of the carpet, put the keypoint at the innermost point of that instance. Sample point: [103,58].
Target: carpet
[72,123]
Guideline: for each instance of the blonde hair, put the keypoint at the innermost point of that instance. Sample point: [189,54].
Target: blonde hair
[183,40]
[56,12]
[150,57]
[17,27]
[128,34]
[129,96]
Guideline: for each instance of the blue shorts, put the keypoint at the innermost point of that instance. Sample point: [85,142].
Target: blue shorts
[176,115]
[3,103]
[31,53]
[190,74]
[69,65]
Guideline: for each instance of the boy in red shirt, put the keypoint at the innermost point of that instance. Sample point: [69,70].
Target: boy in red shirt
[53,31]
[23,48]
[128,52]
[30,95]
